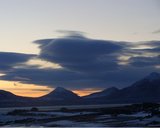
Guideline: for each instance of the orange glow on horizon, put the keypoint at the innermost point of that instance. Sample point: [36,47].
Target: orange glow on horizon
[85,92]
[27,90]
[31,90]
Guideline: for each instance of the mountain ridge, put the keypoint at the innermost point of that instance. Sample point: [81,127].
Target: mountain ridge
[146,89]
[104,92]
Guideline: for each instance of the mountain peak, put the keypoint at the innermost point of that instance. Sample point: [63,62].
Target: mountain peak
[103,93]
[111,89]
[153,76]
[60,89]
[61,93]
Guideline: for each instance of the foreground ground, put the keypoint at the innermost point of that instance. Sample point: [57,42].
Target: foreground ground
[141,115]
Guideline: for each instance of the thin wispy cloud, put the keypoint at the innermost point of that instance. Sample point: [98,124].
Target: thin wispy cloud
[156,31]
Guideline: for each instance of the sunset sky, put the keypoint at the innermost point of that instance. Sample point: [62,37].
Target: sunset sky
[81,45]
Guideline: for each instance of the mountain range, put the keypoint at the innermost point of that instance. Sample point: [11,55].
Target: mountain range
[144,90]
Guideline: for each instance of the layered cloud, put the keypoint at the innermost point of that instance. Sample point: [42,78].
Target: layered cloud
[8,60]
[81,54]
[84,62]
[145,61]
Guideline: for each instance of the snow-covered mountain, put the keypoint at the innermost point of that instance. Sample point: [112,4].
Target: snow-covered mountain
[144,90]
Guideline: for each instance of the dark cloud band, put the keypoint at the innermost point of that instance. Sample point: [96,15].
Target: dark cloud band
[85,63]
[8,60]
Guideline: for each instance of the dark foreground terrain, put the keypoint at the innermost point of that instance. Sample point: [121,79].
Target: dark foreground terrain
[136,115]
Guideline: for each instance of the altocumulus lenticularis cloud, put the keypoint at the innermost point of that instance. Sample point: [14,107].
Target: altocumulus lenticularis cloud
[85,63]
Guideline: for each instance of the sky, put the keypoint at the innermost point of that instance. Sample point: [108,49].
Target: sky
[82,45]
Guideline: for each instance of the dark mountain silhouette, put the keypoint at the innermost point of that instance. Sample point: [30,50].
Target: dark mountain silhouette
[144,90]
[60,94]
[8,99]
[103,93]
[7,96]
